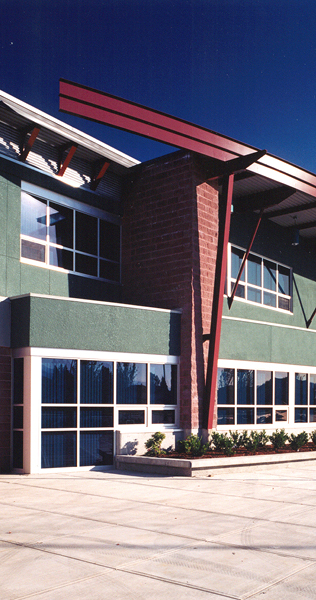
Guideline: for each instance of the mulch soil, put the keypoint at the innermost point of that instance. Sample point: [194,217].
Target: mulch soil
[309,447]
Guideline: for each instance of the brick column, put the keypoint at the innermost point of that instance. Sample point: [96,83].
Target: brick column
[169,249]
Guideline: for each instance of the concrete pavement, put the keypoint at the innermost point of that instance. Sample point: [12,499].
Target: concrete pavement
[110,535]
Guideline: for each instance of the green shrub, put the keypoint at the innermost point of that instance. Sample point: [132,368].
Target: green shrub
[193,445]
[279,438]
[253,440]
[153,445]
[298,440]
[237,438]
[313,436]
[221,441]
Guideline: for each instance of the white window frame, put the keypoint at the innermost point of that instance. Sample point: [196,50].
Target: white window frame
[290,424]
[77,207]
[231,281]
[33,400]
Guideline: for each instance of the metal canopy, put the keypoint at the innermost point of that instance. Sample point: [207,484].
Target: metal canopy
[53,132]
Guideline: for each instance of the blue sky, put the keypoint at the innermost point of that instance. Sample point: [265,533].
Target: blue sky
[243,68]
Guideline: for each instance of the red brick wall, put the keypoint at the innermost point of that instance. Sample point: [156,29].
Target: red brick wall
[169,252]
[5,409]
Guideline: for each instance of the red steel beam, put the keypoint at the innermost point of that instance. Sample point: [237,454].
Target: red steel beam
[104,108]
[242,266]
[29,143]
[110,110]
[67,160]
[97,178]
[218,299]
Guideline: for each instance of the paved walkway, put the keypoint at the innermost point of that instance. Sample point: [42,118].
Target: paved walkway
[98,536]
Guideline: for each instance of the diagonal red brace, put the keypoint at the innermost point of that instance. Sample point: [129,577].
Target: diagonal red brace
[29,144]
[242,266]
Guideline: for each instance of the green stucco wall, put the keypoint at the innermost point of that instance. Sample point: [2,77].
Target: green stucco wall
[58,323]
[293,342]
[17,278]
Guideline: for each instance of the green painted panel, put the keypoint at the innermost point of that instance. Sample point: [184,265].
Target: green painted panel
[13,277]
[245,341]
[58,284]
[3,216]
[34,279]
[267,343]
[3,276]
[56,323]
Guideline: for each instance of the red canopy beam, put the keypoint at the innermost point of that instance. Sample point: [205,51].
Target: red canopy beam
[62,166]
[27,147]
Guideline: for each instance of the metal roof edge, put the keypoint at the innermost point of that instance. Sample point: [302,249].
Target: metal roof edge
[75,135]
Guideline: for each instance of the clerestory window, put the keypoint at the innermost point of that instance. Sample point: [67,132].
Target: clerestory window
[262,281]
[61,236]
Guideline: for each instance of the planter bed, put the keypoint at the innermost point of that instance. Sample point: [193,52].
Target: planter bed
[214,463]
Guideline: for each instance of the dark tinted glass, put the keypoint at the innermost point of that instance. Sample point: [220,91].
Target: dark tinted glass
[225,386]
[60,225]
[59,449]
[163,384]
[109,240]
[264,387]
[86,233]
[88,265]
[58,257]
[96,417]
[131,417]
[281,388]
[264,415]
[17,450]
[300,388]
[33,216]
[245,386]
[18,380]
[225,416]
[18,417]
[96,448]
[96,382]
[59,381]
[165,417]
[131,383]
[245,416]
[32,251]
[59,418]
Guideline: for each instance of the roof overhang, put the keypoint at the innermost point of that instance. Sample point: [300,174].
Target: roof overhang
[57,133]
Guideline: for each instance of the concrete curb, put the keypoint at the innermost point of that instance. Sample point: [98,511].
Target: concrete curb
[191,467]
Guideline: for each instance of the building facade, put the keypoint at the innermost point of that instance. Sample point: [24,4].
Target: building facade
[108,287]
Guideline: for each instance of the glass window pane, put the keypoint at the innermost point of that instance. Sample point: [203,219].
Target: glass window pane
[163,384]
[284,303]
[281,388]
[245,416]
[59,449]
[312,415]
[312,389]
[110,270]
[253,295]
[131,417]
[300,388]
[96,417]
[225,386]
[269,275]
[17,449]
[165,417]
[33,217]
[240,292]
[88,265]
[59,381]
[59,418]
[131,383]
[284,281]
[60,225]
[96,448]
[225,416]
[254,269]
[58,257]
[110,240]
[245,386]
[264,387]
[281,415]
[96,382]
[18,380]
[269,299]
[264,415]
[300,415]
[32,250]
[18,417]
[86,233]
